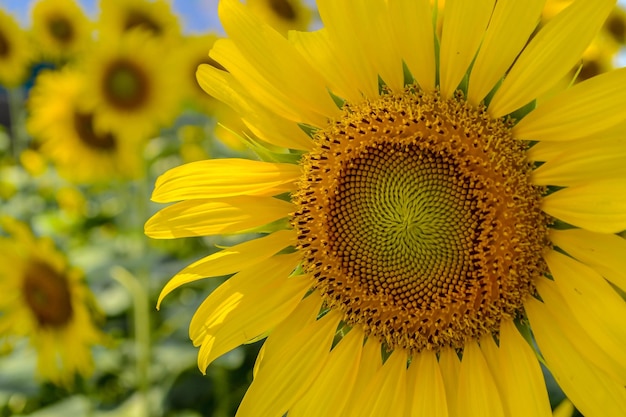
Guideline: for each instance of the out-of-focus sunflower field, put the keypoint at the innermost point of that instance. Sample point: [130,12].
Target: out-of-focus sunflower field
[97,100]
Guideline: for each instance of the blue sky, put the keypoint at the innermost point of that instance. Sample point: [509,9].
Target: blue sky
[196,15]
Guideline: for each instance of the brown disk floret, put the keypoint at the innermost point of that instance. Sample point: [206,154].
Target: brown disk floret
[417,219]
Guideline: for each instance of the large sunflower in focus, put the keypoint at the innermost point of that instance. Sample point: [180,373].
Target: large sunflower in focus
[66,133]
[15,52]
[129,86]
[426,225]
[155,17]
[46,301]
[60,29]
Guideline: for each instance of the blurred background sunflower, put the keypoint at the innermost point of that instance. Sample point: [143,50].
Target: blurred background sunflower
[60,29]
[46,301]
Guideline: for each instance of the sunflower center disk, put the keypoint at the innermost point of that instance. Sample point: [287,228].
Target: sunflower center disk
[83,124]
[5,47]
[61,29]
[418,220]
[48,295]
[125,85]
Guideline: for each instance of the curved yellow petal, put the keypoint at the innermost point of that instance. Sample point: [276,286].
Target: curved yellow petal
[305,313]
[240,314]
[319,50]
[428,398]
[351,50]
[211,217]
[477,391]
[557,310]
[266,63]
[550,55]
[340,372]
[594,303]
[603,252]
[290,372]
[511,24]
[516,369]
[591,391]
[450,366]
[386,393]
[239,288]
[464,25]
[219,178]
[586,109]
[599,206]
[231,260]
[415,39]
[264,123]
[583,161]
[371,362]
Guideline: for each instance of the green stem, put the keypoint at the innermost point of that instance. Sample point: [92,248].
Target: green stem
[17,114]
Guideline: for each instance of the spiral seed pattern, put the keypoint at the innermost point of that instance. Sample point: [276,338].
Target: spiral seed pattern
[418,220]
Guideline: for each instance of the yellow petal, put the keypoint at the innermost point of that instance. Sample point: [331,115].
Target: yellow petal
[599,206]
[414,39]
[319,50]
[517,372]
[334,381]
[342,33]
[603,252]
[264,123]
[608,139]
[464,25]
[385,394]
[450,365]
[591,391]
[231,260]
[477,392]
[211,217]
[371,362]
[586,109]
[511,24]
[564,409]
[594,303]
[288,374]
[218,178]
[305,313]
[429,395]
[550,55]
[583,161]
[244,307]
[557,310]
[270,67]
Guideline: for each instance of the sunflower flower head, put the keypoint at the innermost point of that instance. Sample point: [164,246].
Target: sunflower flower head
[129,87]
[66,133]
[46,301]
[426,233]
[15,52]
[60,29]
[154,17]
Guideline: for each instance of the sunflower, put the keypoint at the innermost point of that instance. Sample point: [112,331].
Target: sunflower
[428,236]
[15,52]
[46,301]
[193,52]
[155,17]
[66,134]
[60,29]
[130,87]
[282,15]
